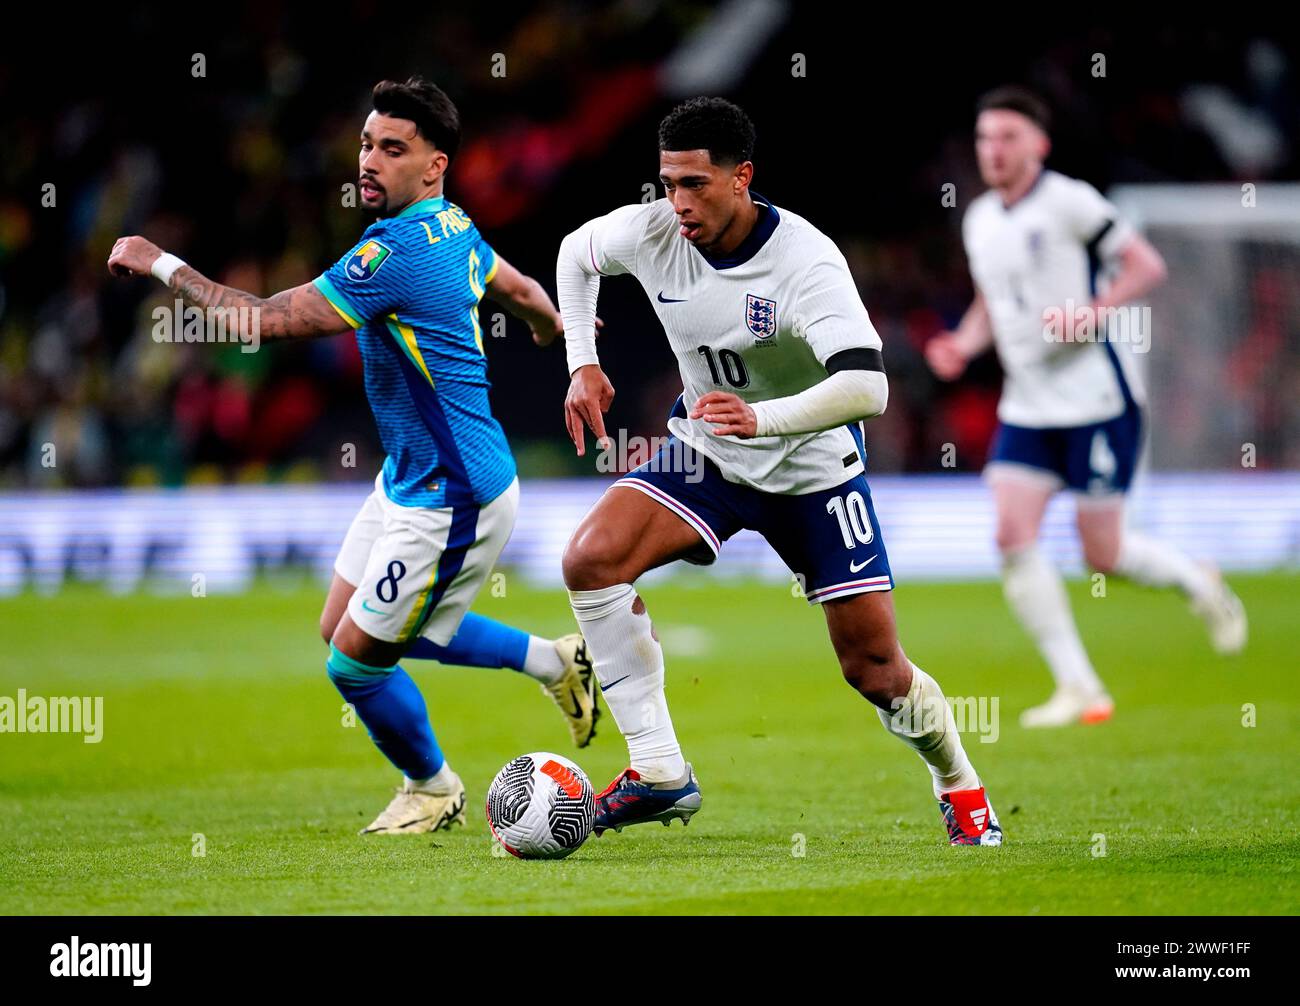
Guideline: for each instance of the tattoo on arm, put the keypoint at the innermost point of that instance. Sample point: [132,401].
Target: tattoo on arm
[301,312]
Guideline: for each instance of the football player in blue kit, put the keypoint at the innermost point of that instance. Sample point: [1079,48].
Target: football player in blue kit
[444,503]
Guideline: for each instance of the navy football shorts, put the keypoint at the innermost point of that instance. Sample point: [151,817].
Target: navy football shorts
[1096,460]
[830,539]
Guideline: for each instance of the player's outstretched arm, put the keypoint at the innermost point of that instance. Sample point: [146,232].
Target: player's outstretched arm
[299,313]
[948,353]
[524,297]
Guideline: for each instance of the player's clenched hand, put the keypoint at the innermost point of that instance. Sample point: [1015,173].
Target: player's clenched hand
[730,414]
[547,333]
[133,256]
[590,395]
[946,357]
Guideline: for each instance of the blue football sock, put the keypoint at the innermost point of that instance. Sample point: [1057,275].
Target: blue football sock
[393,710]
[479,642]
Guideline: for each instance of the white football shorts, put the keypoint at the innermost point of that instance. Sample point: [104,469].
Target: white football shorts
[417,570]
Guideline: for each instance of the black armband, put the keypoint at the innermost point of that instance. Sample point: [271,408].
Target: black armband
[856,359]
[1094,244]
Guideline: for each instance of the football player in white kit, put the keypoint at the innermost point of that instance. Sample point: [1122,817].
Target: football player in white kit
[779,363]
[1070,415]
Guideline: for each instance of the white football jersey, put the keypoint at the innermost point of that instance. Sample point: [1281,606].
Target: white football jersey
[760,324]
[1042,252]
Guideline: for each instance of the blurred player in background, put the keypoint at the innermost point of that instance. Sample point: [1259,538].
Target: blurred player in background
[779,363]
[1070,416]
[444,504]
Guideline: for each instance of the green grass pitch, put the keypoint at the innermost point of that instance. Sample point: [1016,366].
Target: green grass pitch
[219,721]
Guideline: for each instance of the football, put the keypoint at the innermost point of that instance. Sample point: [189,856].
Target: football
[541,806]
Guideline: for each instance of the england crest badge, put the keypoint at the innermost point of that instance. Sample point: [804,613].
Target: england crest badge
[760,316]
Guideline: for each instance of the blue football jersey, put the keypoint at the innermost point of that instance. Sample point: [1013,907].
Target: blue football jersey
[411,288]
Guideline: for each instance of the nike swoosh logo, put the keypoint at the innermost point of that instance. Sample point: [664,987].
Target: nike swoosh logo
[366,605]
[605,688]
[855,566]
[670,300]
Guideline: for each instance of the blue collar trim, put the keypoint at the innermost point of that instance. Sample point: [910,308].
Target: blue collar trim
[766,223]
[1042,173]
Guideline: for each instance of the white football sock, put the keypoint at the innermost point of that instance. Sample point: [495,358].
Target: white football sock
[630,663]
[1154,564]
[1034,589]
[923,720]
[440,783]
[543,661]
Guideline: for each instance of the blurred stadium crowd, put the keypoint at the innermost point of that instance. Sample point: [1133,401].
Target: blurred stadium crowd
[242,171]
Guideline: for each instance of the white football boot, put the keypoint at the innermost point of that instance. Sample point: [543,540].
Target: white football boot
[412,812]
[1068,705]
[575,691]
[1225,616]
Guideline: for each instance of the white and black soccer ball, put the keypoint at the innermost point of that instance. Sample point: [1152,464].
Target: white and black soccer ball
[541,806]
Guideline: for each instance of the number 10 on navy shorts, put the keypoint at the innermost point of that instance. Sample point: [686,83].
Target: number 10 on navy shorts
[829,538]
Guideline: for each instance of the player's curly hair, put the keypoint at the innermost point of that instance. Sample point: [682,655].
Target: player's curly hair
[425,104]
[712,124]
[1014,98]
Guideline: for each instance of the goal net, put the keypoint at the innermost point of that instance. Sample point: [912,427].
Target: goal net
[1223,369]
